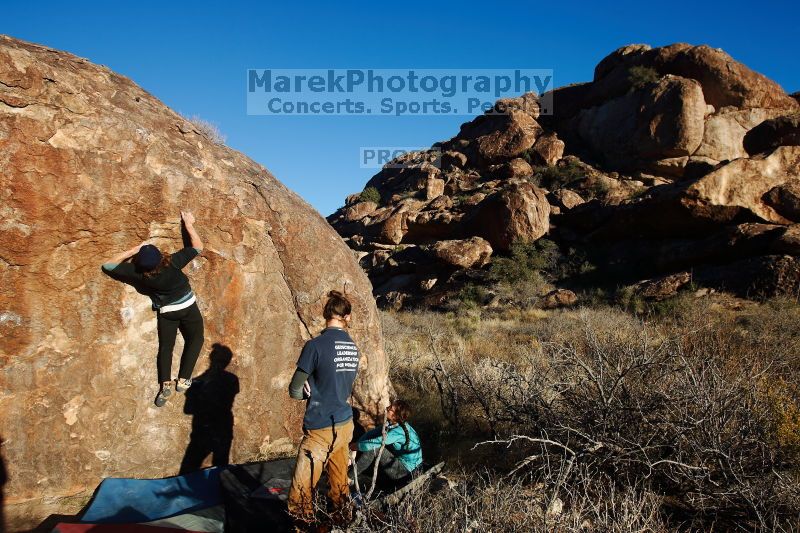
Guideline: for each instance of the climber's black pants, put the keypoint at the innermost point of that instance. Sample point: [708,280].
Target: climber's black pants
[190,322]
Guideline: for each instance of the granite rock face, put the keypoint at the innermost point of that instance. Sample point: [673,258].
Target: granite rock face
[92,165]
[691,114]
[725,81]
[740,189]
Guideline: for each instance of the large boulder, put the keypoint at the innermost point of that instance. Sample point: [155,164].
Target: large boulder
[519,212]
[787,242]
[785,200]
[740,188]
[565,199]
[644,256]
[527,103]
[434,187]
[517,168]
[496,137]
[463,253]
[558,298]
[411,171]
[664,120]
[392,229]
[768,135]
[92,165]
[725,81]
[547,149]
[663,287]
[726,130]
[358,211]
[431,225]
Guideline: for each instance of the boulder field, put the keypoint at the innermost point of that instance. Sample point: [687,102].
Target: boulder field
[673,161]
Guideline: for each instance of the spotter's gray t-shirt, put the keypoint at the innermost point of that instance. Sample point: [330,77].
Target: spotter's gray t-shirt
[331,362]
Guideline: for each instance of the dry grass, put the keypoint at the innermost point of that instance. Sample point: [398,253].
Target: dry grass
[206,128]
[485,501]
[688,420]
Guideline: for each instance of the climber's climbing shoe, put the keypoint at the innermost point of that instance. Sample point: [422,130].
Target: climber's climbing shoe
[163,394]
[182,385]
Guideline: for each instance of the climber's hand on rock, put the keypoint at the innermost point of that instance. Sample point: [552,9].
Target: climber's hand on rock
[187,217]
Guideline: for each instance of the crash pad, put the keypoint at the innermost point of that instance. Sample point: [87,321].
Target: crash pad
[127,501]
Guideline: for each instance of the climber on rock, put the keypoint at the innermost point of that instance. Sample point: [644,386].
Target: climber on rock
[324,376]
[160,276]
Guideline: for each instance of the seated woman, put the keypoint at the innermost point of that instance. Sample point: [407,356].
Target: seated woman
[402,454]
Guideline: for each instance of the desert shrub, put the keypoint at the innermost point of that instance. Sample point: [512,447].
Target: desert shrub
[668,307]
[640,76]
[627,299]
[208,129]
[592,297]
[672,307]
[518,277]
[784,410]
[640,408]
[603,411]
[598,189]
[574,262]
[529,269]
[525,261]
[371,194]
[472,294]
[484,501]
[560,175]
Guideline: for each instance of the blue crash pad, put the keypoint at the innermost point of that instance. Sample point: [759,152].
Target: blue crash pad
[120,500]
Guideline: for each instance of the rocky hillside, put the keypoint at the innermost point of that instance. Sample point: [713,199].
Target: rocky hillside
[675,166]
[93,165]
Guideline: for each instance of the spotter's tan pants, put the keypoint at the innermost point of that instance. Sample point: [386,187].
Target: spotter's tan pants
[321,448]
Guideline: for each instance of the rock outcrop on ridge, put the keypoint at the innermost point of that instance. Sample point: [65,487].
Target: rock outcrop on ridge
[672,160]
[93,165]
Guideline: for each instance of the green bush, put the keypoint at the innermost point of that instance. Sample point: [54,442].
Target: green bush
[599,188]
[371,194]
[525,261]
[472,295]
[574,263]
[557,176]
[627,299]
[529,261]
[640,77]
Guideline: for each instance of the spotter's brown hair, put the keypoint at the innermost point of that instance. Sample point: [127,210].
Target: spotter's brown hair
[337,305]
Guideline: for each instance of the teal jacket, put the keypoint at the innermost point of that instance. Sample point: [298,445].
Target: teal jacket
[410,454]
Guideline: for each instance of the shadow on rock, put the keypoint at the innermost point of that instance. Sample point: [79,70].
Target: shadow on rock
[210,401]
[3,481]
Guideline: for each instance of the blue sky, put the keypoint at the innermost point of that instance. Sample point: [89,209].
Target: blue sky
[194,56]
